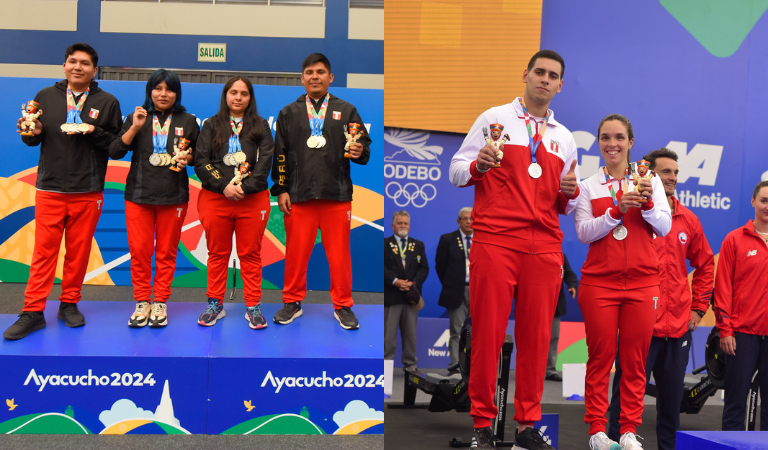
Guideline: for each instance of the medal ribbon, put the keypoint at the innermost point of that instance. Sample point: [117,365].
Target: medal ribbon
[73,111]
[531,134]
[234,140]
[402,249]
[160,134]
[317,119]
[613,191]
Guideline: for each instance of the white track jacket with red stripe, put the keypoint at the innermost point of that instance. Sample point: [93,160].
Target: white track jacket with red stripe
[512,209]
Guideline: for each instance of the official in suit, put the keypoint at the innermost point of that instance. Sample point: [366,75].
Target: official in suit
[571,282]
[452,266]
[405,269]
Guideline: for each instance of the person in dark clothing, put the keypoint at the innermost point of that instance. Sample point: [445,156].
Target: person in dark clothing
[314,188]
[571,284]
[233,159]
[405,269]
[78,124]
[156,198]
[452,266]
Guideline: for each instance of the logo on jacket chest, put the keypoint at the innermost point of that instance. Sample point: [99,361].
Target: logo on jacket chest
[337,115]
[94,114]
[682,238]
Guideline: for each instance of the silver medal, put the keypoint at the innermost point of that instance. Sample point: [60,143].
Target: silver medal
[312,142]
[155,159]
[534,170]
[320,142]
[620,233]
[166,159]
[227,159]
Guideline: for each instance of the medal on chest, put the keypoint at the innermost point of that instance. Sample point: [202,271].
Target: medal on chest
[316,122]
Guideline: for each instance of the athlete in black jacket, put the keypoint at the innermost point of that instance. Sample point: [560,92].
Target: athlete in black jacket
[314,188]
[156,195]
[70,181]
[234,154]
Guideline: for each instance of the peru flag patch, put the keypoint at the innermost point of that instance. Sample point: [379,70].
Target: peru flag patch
[179,131]
[336,115]
[94,114]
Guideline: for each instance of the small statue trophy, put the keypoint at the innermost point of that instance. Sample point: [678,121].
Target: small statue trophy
[241,171]
[352,133]
[641,170]
[496,129]
[30,112]
[181,151]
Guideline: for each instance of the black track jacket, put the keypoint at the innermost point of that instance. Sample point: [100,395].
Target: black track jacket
[77,162]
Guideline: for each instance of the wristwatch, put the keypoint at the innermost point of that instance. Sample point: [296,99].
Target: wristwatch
[699,312]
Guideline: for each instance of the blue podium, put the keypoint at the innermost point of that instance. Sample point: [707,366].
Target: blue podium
[722,440]
[309,377]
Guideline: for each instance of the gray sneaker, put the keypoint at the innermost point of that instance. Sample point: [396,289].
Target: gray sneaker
[346,318]
[287,313]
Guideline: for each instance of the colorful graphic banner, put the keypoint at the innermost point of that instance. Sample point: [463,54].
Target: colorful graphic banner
[110,259]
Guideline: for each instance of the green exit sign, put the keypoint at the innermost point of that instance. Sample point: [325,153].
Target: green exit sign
[212,52]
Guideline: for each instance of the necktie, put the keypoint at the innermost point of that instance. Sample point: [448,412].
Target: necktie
[402,255]
[402,242]
[469,243]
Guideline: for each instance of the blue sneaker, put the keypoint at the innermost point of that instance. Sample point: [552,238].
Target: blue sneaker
[212,313]
[254,317]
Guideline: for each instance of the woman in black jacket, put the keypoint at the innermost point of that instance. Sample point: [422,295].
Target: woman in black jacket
[156,198]
[233,159]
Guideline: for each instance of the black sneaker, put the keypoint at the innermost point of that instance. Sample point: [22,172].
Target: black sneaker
[287,313]
[71,316]
[28,322]
[213,312]
[531,439]
[346,318]
[482,438]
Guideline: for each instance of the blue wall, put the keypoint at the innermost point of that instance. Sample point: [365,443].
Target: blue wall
[180,52]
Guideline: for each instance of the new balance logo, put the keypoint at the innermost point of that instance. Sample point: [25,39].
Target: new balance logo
[752,253]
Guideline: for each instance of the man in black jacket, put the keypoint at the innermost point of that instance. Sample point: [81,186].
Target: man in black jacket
[571,282]
[314,188]
[452,266]
[405,269]
[78,124]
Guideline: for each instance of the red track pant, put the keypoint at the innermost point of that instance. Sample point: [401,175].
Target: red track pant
[333,219]
[497,275]
[78,214]
[628,315]
[153,229]
[247,219]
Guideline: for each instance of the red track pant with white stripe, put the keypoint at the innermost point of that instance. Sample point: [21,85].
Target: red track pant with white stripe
[153,229]
[333,219]
[247,219]
[496,276]
[78,214]
[626,317]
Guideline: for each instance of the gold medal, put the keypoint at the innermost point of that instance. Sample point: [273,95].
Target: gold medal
[64,127]
[320,142]
[155,159]
[82,127]
[240,157]
[312,142]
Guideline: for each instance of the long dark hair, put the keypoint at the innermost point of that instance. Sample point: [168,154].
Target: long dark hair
[174,84]
[251,130]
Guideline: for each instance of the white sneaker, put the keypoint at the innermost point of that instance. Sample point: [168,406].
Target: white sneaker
[140,316]
[628,441]
[601,441]
[159,315]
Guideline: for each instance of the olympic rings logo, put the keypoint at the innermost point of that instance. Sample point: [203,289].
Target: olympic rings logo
[410,193]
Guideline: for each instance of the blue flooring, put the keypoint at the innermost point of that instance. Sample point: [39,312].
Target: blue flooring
[316,334]
[721,440]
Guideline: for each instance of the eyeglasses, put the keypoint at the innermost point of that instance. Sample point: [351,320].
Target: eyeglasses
[466,219]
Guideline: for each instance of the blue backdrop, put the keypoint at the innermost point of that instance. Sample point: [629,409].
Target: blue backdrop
[635,59]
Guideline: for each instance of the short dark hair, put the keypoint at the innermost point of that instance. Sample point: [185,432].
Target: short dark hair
[549,54]
[174,84]
[663,152]
[316,58]
[81,47]
[759,186]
